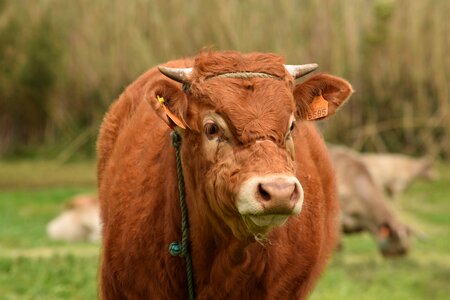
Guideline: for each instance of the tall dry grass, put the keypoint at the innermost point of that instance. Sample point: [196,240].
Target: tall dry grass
[63,62]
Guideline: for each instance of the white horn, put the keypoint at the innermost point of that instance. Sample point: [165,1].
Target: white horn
[298,71]
[178,74]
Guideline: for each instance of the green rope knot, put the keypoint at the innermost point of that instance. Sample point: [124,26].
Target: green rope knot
[175,249]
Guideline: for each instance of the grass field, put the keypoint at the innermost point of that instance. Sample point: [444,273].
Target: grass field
[33,267]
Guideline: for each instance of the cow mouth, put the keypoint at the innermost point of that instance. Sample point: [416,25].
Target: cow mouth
[266,221]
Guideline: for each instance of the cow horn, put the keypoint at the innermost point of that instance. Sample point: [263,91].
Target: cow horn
[298,71]
[178,74]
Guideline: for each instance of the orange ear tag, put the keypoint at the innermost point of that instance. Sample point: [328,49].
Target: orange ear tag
[169,114]
[384,232]
[318,108]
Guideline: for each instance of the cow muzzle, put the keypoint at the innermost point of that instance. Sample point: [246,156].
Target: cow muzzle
[269,200]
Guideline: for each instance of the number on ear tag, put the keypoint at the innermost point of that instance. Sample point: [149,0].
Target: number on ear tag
[318,108]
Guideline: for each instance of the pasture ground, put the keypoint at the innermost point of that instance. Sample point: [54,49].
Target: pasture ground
[33,267]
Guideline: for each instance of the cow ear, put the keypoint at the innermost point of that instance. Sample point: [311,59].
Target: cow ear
[169,102]
[320,96]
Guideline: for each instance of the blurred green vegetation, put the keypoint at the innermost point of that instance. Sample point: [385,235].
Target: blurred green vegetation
[55,277]
[34,267]
[25,174]
[63,62]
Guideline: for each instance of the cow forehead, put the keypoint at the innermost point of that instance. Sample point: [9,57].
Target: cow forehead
[254,108]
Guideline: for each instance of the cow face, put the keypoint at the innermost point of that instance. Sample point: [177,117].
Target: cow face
[241,126]
[247,142]
[394,239]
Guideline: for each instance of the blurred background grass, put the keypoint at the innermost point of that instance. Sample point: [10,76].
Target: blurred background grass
[63,62]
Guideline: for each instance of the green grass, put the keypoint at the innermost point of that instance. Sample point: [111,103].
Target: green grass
[33,267]
[55,277]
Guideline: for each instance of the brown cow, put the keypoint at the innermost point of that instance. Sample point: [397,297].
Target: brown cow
[243,158]
[364,206]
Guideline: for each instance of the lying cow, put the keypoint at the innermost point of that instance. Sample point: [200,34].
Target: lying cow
[395,172]
[259,185]
[364,206]
[79,222]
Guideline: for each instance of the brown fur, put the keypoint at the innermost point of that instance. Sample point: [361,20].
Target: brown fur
[139,197]
[364,206]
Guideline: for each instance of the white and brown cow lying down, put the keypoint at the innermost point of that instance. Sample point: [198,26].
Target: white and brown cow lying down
[364,206]
[395,172]
[80,221]
[259,185]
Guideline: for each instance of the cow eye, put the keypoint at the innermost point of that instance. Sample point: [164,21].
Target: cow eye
[292,126]
[212,130]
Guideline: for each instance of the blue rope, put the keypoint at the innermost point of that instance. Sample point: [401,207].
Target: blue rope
[175,248]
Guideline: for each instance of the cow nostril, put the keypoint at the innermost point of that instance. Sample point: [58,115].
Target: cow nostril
[263,193]
[295,194]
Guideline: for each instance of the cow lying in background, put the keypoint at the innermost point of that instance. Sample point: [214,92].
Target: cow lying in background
[364,206]
[259,185]
[79,222]
[395,172]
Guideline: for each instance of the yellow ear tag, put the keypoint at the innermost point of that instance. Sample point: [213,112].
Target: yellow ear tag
[169,114]
[318,108]
[160,99]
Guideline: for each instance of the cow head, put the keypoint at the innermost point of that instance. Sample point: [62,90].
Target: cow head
[239,115]
[394,239]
